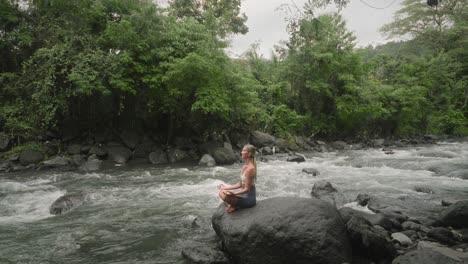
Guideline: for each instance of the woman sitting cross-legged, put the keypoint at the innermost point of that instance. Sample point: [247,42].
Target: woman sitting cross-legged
[242,194]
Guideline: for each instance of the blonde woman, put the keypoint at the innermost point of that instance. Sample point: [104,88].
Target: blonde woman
[242,194]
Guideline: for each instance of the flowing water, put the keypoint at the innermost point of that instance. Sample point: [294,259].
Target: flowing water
[147,214]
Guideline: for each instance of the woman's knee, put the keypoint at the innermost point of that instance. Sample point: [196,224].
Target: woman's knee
[222,195]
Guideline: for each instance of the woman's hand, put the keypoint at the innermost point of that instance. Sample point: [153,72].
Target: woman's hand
[221,186]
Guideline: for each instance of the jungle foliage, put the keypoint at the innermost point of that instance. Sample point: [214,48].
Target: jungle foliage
[115,64]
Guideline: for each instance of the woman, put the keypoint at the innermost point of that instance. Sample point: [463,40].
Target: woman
[244,195]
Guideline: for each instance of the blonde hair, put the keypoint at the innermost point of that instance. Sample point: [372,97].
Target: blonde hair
[251,150]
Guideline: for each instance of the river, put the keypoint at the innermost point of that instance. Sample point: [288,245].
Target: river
[147,214]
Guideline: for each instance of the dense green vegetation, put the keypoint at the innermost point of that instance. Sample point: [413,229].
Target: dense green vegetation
[115,64]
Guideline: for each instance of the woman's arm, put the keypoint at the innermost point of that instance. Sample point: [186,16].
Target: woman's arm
[249,174]
[229,187]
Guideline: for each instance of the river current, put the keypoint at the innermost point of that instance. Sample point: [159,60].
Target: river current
[147,214]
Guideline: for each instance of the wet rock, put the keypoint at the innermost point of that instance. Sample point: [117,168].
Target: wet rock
[445,203]
[14,158]
[324,190]
[375,219]
[423,189]
[442,235]
[402,239]
[281,229]
[78,160]
[369,241]
[312,171]
[66,203]
[51,148]
[413,235]
[91,165]
[99,150]
[224,155]
[130,138]
[119,154]
[266,151]
[204,253]
[74,149]
[464,234]
[260,139]
[428,252]
[340,145]
[456,215]
[158,156]
[363,199]
[408,225]
[295,158]
[377,143]
[4,165]
[27,157]
[57,162]
[207,160]
[4,141]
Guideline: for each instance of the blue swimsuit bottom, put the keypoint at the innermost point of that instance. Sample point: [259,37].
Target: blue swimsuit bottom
[247,200]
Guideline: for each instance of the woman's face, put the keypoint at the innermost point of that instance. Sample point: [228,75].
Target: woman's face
[245,154]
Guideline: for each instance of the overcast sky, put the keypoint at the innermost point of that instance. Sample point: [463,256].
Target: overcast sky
[267,24]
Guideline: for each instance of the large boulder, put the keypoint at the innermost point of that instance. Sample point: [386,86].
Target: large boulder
[57,162]
[119,154]
[455,215]
[375,219]
[91,165]
[442,235]
[224,155]
[205,253]
[30,156]
[207,160]
[324,190]
[260,139]
[66,203]
[130,138]
[284,230]
[158,156]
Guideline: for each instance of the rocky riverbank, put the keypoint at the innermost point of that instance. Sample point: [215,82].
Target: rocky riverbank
[91,153]
[314,230]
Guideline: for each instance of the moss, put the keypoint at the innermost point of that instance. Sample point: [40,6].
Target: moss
[28,146]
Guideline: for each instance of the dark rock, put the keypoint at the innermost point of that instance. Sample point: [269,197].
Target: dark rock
[301,141]
[432,253]
[99,150]
[442,235]
[324,190]
[74,149]
[85,149]
[130,138]
[57,162]
[207,160]
[377,143]
[4,141]
[295,158]
[284,229]
[208,147]
[464,234]
[197,252]
[14,158]
[91,165]
[120,155]
[402,239]
[285,145]
[51,148]
[423,189]
[239,139]
[375,219]
[18,167]
[340,145]
[312,171]
[456,215]
[30,156]
[260,139]
[184,143]
[266,151]
[411,234]
[224,155]
[408,225]
[78,160]
[142,150]
[177,155]
[158,156]
[4,165]
[363,199]
[369,241]
[66,203]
